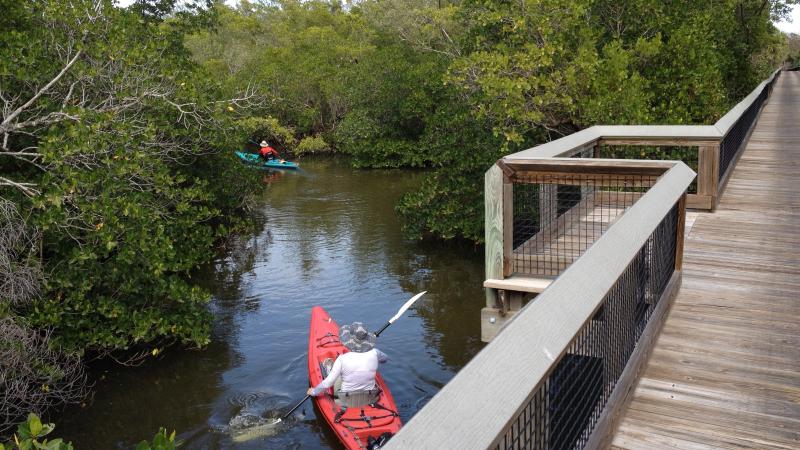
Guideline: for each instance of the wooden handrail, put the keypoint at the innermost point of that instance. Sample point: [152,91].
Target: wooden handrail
[590,166]
[727,121]
[475,408]
[706,138]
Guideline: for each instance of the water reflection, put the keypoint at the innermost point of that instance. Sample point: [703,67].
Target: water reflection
[331,238]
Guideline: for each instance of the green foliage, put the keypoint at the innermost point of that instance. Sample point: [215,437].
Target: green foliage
[269,129]
[160,442]
[454,85]
[298,53]
[312,145]
[793,49]
[135,177]
[31,435]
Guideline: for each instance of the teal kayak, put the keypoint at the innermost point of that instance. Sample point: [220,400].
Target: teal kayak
[254,159]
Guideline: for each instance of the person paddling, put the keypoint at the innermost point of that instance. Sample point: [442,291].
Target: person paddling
[267,152]
[357,368]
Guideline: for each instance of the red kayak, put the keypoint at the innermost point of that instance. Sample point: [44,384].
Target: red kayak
[359,428]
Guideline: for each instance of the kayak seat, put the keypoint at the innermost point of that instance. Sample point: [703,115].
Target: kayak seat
[357,399]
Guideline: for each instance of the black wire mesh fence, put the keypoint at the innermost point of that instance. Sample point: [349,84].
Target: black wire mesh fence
[687,154]
[566,405]
[556,217]
[734,140]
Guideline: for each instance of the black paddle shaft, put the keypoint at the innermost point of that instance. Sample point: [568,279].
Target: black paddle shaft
[295,407]
[378,333]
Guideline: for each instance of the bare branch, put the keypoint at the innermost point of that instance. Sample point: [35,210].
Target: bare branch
[35,376]
[5,125]
[28,189]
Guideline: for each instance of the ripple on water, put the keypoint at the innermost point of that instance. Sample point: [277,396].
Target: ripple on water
[258,417]
[258,401]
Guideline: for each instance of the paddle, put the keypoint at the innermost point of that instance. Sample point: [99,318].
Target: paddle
[403,309]
[400,312]
[293,409]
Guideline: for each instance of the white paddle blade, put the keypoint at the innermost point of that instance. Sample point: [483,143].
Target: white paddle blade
[406,305]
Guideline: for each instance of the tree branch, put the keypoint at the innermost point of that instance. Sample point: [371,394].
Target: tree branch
[25,188]
[5,124]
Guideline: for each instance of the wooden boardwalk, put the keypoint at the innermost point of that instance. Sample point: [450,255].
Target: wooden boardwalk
[725,370]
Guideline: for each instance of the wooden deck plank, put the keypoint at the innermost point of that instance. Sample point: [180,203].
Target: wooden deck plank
[678,427]
[725,370]
[779,432]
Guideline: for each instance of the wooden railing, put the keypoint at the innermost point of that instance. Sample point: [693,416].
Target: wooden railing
[556,374]
[715,148]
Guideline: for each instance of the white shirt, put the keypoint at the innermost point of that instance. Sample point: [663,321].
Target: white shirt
[356,369]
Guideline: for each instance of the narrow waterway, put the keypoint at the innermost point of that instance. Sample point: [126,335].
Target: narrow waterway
[331,238]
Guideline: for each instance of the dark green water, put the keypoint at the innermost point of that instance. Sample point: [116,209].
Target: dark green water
[331,238]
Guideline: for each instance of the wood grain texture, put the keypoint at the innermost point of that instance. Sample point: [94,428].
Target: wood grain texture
[560,166]
[707,168]
[493,216]
[725,372]
[520,284]
[703,202]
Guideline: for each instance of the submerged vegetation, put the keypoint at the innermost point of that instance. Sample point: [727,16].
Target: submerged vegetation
[117,177]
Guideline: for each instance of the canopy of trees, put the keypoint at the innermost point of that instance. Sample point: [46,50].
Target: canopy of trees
[115,177]
[454,85]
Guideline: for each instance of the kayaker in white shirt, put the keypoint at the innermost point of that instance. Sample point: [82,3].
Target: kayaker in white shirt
[356,367]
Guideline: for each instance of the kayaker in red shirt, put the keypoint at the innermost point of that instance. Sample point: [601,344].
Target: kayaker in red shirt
[267,152]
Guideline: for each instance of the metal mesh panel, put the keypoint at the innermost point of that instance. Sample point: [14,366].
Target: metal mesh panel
[733,141]
[566,405]
[585,153]
[558,216]
[689,155]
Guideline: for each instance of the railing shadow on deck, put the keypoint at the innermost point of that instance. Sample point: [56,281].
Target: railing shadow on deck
[599,243]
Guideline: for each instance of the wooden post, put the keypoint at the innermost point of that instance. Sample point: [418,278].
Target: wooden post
[515,300]
[707,176]
[493,204]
